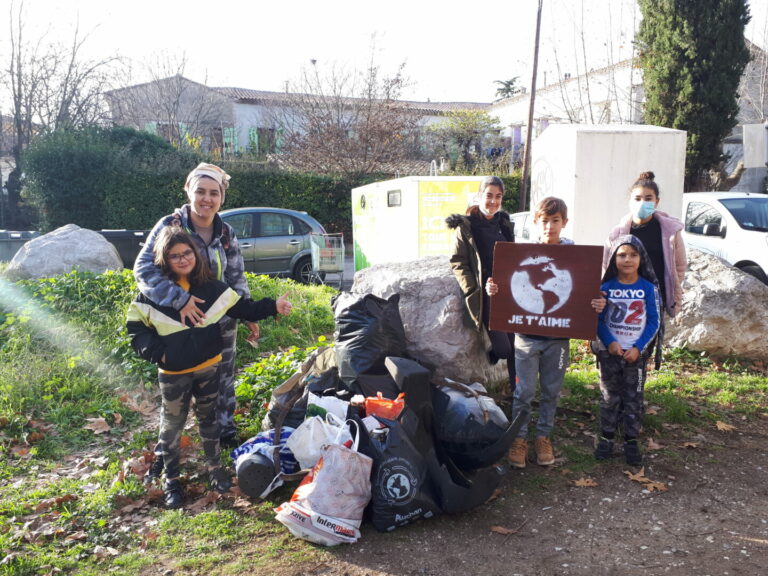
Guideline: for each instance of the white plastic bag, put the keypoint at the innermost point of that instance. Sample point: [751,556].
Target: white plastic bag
[322,405]
[327,507]
[307,440]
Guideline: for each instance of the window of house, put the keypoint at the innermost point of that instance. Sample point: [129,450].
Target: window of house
[262,141]
[168,132]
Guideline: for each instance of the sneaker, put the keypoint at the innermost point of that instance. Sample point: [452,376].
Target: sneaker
[155,471]
[518,453]
[230,441]
[604,449]
[632,453]
[545,455]
[174,494]
[219,480]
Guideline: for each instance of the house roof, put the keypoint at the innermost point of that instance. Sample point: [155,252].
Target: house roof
[246,95]
[563,81]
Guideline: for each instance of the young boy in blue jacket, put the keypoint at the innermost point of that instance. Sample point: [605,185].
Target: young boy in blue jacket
[627,329]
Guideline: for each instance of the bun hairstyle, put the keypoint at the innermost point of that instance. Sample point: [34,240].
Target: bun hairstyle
[646,180]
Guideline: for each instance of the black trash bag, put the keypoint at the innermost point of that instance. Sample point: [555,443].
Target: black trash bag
[469,425]
[369,384]
[401,488]
[367,331]
[458,491]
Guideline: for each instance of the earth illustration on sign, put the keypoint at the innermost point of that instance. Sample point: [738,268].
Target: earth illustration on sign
[539,286]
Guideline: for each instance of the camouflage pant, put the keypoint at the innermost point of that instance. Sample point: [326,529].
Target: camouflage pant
[225,408]
[177,391]
[621,386]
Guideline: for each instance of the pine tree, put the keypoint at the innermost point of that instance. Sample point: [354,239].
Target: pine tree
[693,54]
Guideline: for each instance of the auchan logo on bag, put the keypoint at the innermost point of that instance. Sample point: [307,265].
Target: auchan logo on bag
[397,481]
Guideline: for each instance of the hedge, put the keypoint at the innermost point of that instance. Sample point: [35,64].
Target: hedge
[121,178]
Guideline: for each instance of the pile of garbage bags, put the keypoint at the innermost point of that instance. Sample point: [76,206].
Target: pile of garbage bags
[373,434]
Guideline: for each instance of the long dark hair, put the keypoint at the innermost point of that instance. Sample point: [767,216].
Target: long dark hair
[487,181]
[169,237]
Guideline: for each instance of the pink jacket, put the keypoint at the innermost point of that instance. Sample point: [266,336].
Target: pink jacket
[675,260]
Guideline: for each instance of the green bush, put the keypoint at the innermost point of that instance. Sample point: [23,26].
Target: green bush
[103,178]
[121,178]
[64,349]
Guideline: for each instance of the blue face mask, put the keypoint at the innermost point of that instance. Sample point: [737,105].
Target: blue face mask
[642,210]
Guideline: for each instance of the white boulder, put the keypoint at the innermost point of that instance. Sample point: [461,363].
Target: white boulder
[432,309]
[723,312]
[63,250]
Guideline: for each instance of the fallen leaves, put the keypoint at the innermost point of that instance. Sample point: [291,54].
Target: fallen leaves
[725,427]
[652,445]
[585,483]
[492,497]
[647,483]
[49,503]
[97,425]
[690,444]
[504,531]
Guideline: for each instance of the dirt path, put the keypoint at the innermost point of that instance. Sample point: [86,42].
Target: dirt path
[711,520]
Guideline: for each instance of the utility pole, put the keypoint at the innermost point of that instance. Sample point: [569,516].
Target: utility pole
[529,131]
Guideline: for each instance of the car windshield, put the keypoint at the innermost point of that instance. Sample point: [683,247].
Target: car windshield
[751,213]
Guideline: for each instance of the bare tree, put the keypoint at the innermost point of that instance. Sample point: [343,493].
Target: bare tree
[52,87]
[342,122]
[594,93]
[183,112]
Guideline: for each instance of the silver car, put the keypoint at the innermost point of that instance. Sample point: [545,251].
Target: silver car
[275,241]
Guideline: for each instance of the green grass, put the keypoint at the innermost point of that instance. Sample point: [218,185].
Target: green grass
[65,360]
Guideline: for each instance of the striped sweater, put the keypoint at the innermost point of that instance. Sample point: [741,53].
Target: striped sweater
[156,331]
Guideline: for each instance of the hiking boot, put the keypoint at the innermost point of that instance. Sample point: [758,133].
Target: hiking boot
[632,453]
[154,471]
[174,494]
[545,455]
[518,453]
[219,480]
[604,449]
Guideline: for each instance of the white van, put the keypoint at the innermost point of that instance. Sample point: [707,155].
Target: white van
[730,225]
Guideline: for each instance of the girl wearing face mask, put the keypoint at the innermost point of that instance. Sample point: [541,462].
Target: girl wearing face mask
[660,235]
[475,235]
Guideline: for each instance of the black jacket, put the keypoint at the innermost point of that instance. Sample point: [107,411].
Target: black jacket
[157,330]
[466,265]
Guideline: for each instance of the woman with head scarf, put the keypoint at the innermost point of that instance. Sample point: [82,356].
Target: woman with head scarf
[206,188]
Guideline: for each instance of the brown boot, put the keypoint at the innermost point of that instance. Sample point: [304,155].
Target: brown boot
[545,455]
[518,453]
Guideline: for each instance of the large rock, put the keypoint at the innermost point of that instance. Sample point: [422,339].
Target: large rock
[723,312]
[63,250]
[432,309]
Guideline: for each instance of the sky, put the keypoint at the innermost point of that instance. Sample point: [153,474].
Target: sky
[451,51]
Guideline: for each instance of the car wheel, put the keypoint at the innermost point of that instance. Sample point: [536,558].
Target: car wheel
[757,272]
[302,272]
